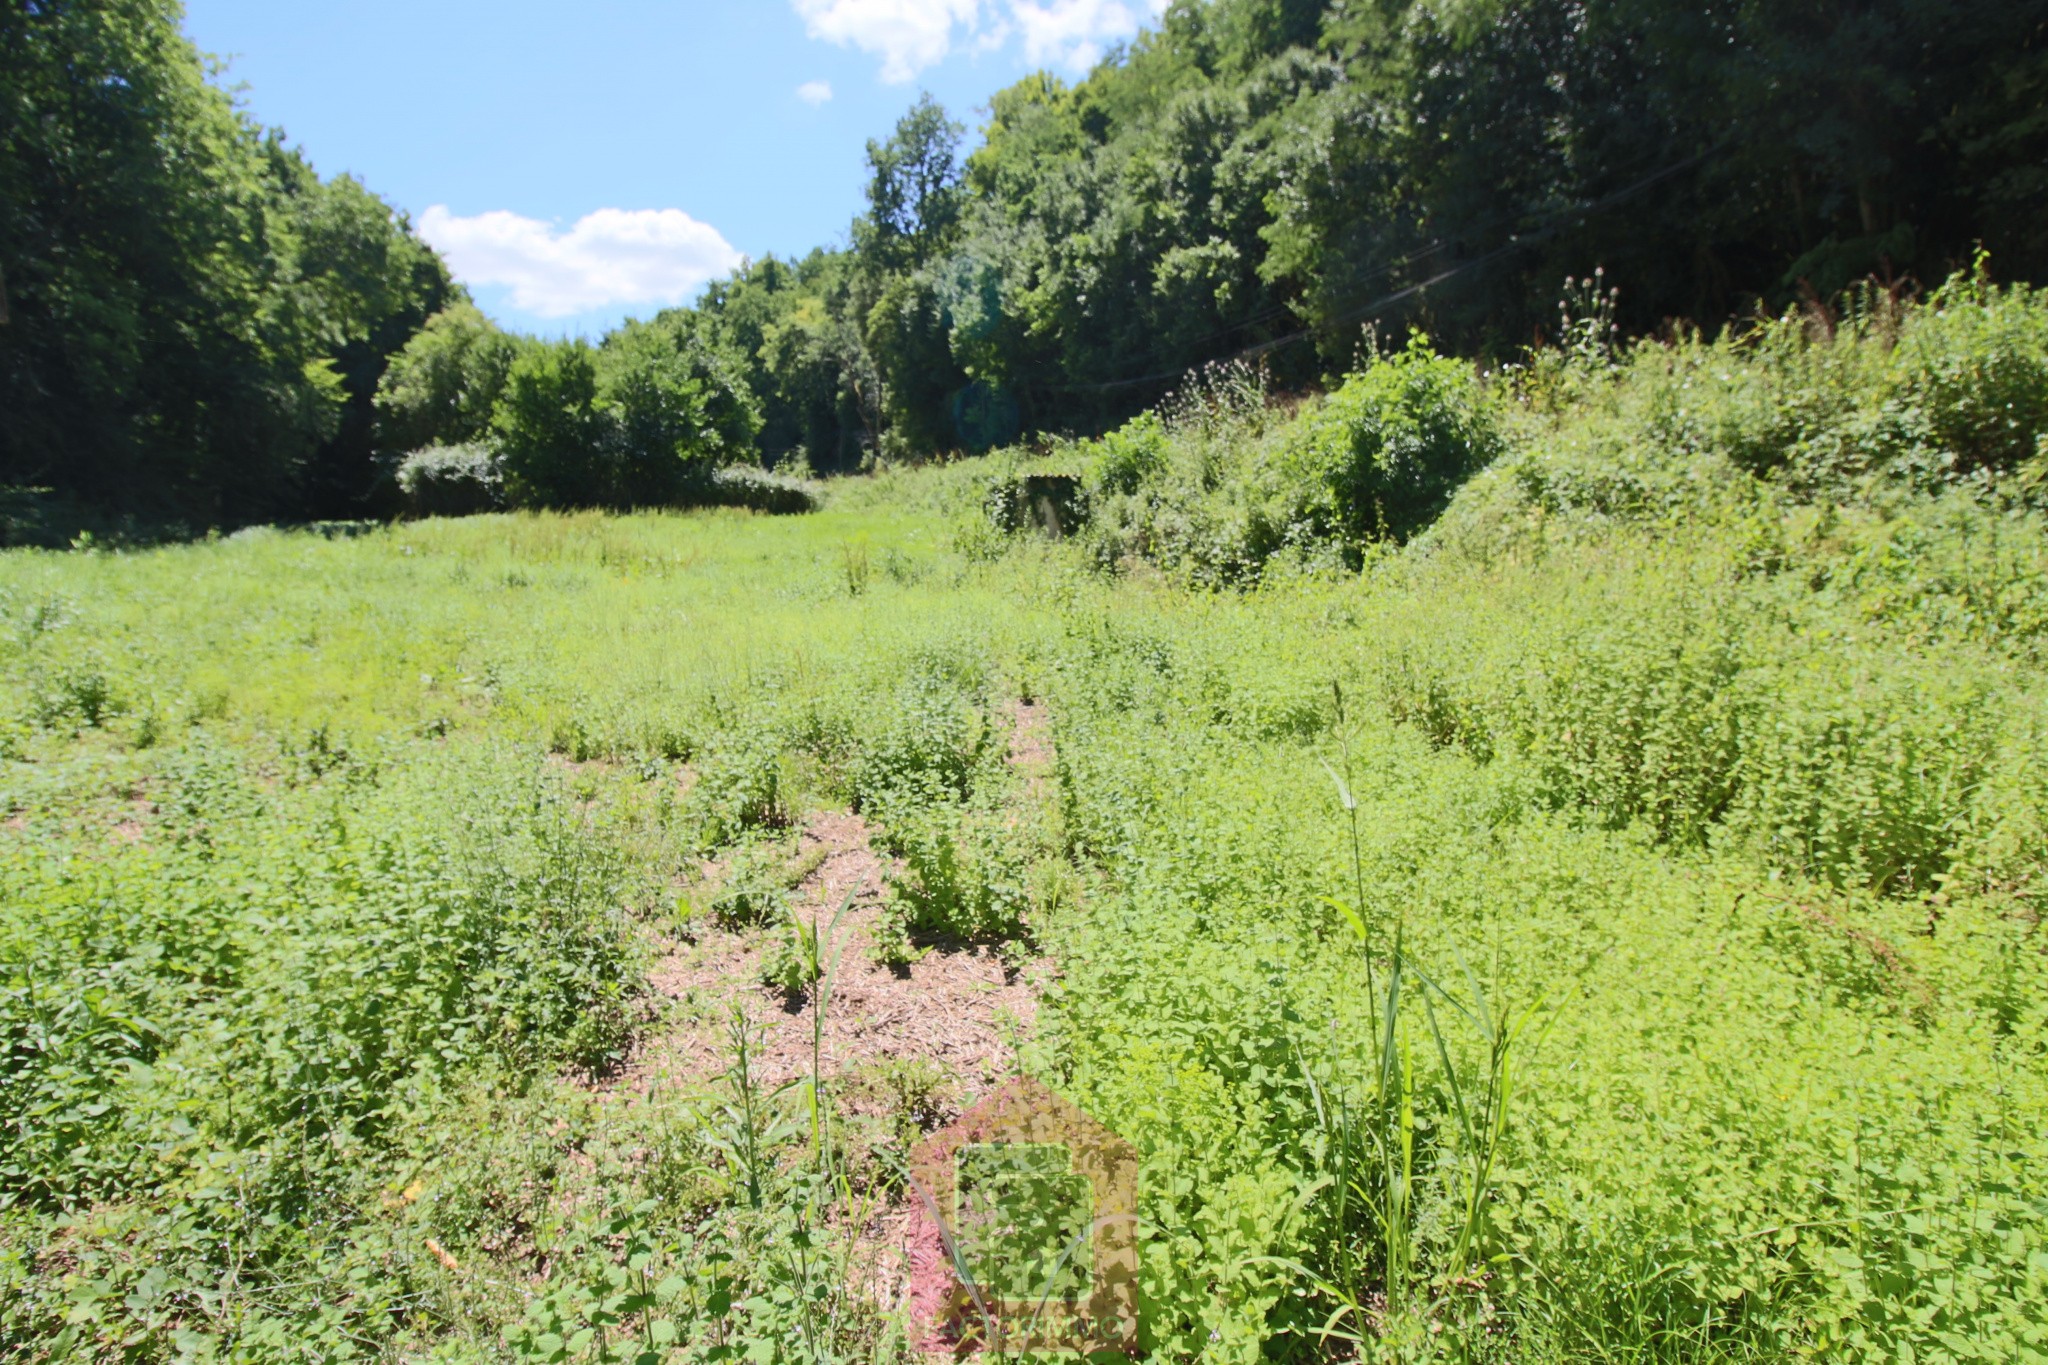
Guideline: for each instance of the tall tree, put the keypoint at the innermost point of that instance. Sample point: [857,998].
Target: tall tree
[196,322]
[913,189]
[443,385]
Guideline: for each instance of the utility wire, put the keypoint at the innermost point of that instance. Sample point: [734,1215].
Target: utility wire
[1518,242]
[1274,310]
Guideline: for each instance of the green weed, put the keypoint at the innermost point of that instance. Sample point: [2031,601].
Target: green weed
[1708,714]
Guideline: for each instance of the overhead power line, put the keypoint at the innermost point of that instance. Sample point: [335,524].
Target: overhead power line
[1519,242]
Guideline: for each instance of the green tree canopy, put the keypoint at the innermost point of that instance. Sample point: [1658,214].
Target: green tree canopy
[196,324]
[1266,177]
[442,387]
[678,408]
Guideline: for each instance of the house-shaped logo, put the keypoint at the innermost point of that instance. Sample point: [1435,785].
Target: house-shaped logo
[1031,1236]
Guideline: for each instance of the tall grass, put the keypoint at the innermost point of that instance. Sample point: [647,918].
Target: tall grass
[1708,715]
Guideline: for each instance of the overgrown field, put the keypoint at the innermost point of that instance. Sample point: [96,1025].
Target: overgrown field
[1549,869]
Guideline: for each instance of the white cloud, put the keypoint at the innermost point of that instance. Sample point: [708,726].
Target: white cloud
[1074,33]
[908,35]
[610,257]
[815,92]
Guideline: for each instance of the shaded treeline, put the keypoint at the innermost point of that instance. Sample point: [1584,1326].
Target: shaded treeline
[198,325]
[1267,176]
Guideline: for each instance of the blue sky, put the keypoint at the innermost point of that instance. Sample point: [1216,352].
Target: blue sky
[578,164]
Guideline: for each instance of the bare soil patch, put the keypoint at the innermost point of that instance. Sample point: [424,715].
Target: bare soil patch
[907,1048]
[960,1010]
[1031,747]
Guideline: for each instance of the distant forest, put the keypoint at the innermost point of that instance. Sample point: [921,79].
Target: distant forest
[194,325]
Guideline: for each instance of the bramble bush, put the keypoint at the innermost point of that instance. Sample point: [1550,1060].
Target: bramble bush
[1382,455]
[1974,360]
[1132,456]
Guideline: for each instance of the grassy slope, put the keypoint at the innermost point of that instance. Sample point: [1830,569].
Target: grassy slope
[1781,1093]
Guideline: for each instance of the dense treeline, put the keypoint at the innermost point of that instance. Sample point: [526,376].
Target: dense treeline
[194,323]
[1270,175]
[200,327]
[652,416]
[196,330]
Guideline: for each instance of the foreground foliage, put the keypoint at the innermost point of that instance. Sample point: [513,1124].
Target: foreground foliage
[1604,925]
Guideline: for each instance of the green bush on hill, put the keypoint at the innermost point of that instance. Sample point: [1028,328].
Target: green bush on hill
[1385,452]
[1222,485]
[1975,362]
[1826,402]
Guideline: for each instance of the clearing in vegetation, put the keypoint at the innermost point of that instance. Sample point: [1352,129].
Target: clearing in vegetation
[1542,866]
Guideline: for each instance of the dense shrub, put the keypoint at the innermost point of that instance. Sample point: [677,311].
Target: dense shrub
[1131,456]
[1050,503]
[1974,362]
[650,419]
[549,431]
[451,481]
[1838,401]
[1222,487]
[1381,458]
[758,490]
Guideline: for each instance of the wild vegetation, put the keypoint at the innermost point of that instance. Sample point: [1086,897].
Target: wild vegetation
[1258,178]
[1531,816]
[1544,865]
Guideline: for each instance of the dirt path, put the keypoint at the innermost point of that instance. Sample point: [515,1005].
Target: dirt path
[904,1049]
[1031,749]
[956,1014]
